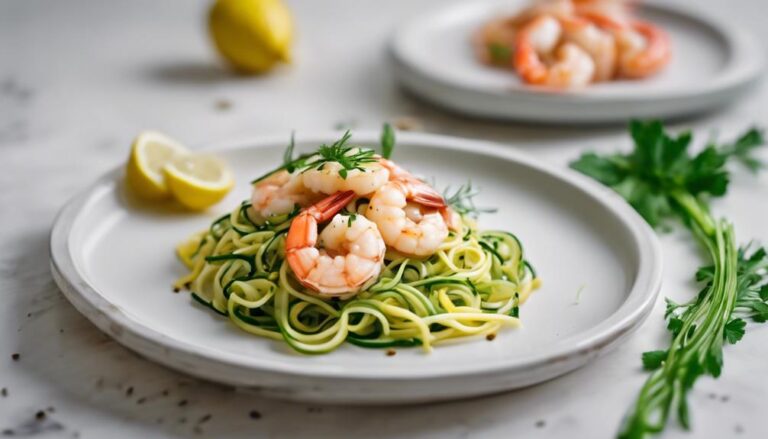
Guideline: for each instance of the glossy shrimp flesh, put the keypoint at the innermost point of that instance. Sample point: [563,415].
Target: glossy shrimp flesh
[341,259]
[413,217]
[410,227]
[495,41]
[332,177]
[542,59]
[279,194]
[598,43]
[643,48]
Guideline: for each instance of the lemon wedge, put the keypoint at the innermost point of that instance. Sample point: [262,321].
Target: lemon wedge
[198,181]
[150,152]
[253,35]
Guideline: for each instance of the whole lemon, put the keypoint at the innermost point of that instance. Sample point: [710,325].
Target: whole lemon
[253,35]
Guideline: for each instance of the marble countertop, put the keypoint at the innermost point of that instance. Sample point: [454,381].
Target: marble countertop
[79,79]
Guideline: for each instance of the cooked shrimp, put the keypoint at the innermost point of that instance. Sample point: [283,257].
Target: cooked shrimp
[572,65]
[644,49]
[423,193]
[598,43]
[619,10]
[495,41]
[279,194]
[327,179]
[409,217]
[351,249]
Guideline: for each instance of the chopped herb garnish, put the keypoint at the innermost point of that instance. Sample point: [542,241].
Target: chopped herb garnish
[662,181]
[500,54]
[349,157]
[351,220]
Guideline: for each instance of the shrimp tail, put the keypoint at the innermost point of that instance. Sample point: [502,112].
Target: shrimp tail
[426,196]
[303,229]
[326,208]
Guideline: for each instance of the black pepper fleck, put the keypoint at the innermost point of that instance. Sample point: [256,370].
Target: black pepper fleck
[176,289]
[223,104]
[141,400]
[4,392]
[540,423]
[183,402]
[40,415]
[204,419]
[254,414]
[490,337]
[129,391]
[15,357]
[391,352]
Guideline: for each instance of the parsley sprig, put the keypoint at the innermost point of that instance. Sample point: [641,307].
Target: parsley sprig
[663,181]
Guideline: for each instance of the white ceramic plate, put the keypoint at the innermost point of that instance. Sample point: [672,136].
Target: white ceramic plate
[713,63]
[114,260]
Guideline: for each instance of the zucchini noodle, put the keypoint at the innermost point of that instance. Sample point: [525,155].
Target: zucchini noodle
[473,285]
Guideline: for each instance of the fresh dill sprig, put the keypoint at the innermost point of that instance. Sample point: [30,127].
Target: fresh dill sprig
[349,157]
[462,200]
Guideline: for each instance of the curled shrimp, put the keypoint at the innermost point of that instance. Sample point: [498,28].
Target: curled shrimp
[332,177]
[598,43]
[341,259]
[279,194]
[643,48]
[539,42]
[423,193]
[497,37]
[413,217]
[410,227]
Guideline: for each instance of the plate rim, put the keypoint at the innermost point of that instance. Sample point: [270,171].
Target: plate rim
[160,347]
[743,70]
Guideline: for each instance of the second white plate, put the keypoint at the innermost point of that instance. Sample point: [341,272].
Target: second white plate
[599,262]
[713,63]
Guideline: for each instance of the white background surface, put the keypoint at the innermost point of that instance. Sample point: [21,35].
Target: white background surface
[79,79]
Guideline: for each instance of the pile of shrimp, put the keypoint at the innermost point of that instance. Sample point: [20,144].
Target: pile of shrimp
[395,211]
[572,43]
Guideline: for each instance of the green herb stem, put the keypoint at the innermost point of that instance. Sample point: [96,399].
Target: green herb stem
[663,182]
